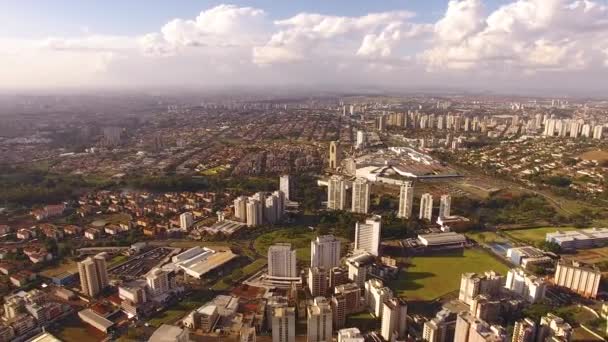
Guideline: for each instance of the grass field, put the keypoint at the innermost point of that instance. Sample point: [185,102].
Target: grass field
[485,237]
[598,155]
[181,309]
[67,266]
[298,237]
[429,277]
[534,235]
[364,321]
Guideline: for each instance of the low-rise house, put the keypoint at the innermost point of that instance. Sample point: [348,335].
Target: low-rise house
[22,277]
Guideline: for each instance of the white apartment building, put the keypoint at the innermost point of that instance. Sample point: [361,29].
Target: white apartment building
[394,319]
[336,193]
[445,204]
[325,252]
[285,186]
[375,296]
[320,321]
[530,287]
[240,208]
[367,235]
[426,207]
[186,220]
[284,324]
[360,200]
[406,200]
[579,278]
[282,261]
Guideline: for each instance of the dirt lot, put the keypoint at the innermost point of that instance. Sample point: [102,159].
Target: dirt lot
[598,155]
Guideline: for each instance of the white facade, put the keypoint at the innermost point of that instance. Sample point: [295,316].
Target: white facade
[350,335]
[186,220]
[282,261]
[583,280]
[254,212]
[284,324]
[426,207]
[360,201]
[285,186]
[320,321]
[445,205]
[598,132]
[406,200]
[158,281]
[394,320]
[336,193]
[360,140]
[375,295]
[367,235]
[271,209]
[325,252]
[240,208]
[530,287]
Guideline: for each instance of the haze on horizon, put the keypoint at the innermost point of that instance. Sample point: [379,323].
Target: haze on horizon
[497,45]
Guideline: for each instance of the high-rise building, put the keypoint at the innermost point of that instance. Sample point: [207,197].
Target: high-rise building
[350,335]
[240,208]
[524,331]
[281,204]
[426,207]
[444,206]
[472,329]
[440,328]
[93,274]
[254,212]
[360,203]
[586,131]
[530,287]
[285,186]
[367,235]
[186,220]
[338,307]
[352,296]
[271,209]
[336,193]
[406,200]
[325,252]
[158,281]
[375,295]
[578,277]
[358,267]
[485,308]
[473,284]
[554,328]
[598,132]
[337,276]
[317,281]
[282,261]
[319,321]
[335,154]
[394,319]
[360,143]
[284,324]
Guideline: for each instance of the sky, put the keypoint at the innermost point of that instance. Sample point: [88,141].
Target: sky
[477,45]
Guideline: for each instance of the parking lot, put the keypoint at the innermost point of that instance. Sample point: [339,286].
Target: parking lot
[141,264]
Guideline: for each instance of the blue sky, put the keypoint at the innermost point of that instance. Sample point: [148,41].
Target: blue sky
[43,18]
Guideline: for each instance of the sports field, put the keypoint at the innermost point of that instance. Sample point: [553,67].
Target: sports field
[534,235]
[429,277]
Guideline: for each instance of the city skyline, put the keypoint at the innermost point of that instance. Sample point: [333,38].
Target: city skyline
[503,46]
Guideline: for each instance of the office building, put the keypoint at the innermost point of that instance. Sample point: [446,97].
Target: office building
[554,328]
[282,261]
[158,281]
[360,200]
[320,317]
[240,208]
[440,328]
[284,324]
[317,281]
[336,193]
[426,207]
[285,186]
[444,205]
[473,284]
[578,277]
[93,274]
[406,200]
[335,154]
[579,239]
[530,287]
[186,220]
[367,235]
[325,252]
[394,319]
[524,331]
[375,296]
[254,212]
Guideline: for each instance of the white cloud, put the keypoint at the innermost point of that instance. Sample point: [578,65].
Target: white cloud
[522,40]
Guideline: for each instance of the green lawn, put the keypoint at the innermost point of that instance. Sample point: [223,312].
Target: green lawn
[534,235]
[364,321]
[298,237]
[181,309]
[429,277]
[485,237]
